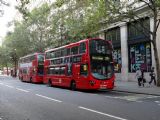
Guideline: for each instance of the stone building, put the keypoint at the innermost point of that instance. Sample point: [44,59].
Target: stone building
[132,49]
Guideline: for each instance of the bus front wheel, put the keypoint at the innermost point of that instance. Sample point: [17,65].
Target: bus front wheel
[73,85]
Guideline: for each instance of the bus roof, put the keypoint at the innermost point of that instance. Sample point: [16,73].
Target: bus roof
[84,40]
[30,55]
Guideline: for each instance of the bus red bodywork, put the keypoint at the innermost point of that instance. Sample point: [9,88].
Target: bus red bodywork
[31,68]
[86,64]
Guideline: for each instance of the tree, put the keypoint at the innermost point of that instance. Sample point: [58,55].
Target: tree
[22,8]
[5,60]
[80,17]
[71,19]
[3,3]
[40,27]
[122,11]
[19,40]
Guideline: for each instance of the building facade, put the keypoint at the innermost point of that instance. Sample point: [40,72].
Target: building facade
[132,48]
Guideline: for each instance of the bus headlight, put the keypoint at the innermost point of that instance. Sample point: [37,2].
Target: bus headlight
[92,82]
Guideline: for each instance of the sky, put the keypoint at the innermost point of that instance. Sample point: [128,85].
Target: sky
[9,14]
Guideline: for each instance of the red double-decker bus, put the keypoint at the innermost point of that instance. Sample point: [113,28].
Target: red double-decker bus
[86,64]
[31,68]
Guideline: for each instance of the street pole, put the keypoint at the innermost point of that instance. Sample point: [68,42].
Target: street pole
[15,63]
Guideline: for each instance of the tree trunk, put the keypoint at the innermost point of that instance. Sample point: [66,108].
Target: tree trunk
[154,42]
[7,70]
[156,60]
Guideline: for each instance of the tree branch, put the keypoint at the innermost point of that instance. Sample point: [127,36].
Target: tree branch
[142,25]
[157,25]
[148,4]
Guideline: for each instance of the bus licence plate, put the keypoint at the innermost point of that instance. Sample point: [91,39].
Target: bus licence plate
[103,86]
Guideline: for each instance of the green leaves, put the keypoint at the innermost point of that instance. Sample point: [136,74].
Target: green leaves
[22,8]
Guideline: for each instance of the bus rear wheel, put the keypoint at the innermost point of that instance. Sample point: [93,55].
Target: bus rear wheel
[49,83]
[73,85]
[30,80]
[21,78]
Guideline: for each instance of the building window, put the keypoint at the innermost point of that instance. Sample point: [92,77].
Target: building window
[139,29]
[140,57]
[117,60]
[113,35]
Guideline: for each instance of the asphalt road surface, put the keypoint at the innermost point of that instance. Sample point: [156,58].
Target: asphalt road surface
[26,101]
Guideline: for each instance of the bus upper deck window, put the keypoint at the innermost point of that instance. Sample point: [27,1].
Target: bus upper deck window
[82,48]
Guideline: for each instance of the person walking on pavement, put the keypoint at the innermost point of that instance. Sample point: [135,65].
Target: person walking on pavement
[143,80]
[153,76]
[138,76]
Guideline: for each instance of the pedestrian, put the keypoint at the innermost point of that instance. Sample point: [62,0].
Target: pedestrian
[143,80]
[153,76]
[138,76]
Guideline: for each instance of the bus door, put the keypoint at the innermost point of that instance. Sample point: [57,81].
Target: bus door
[83,75]
[68,72]
[76,73]
[40,70]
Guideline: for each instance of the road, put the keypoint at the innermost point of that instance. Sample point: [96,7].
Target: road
[26,101]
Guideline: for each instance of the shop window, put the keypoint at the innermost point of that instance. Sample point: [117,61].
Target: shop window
[117,59]
[140,57]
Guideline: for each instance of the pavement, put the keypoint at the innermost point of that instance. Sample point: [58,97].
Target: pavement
[132,87]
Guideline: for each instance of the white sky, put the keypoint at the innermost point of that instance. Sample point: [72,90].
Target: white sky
[9,14]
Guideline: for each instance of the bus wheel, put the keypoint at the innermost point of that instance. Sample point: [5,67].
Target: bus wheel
[30,80]
[73,85]
[21,79]
[49,84]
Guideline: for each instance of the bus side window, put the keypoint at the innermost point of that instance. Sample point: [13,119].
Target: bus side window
[68,51]
[62,71]
[84,69]
[82,48]
[69,69]
[74,50]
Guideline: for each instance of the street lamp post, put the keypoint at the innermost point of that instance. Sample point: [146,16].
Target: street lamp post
[14,58]
[15,64]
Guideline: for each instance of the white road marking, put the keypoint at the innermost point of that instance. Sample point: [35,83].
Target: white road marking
[139,101]
[112,97]
[157,101]
[93,94]
[129,98]
[48,98]
[1,84]
[152,96]
[112,116]
[1,119]
[9,86]
[22,90]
